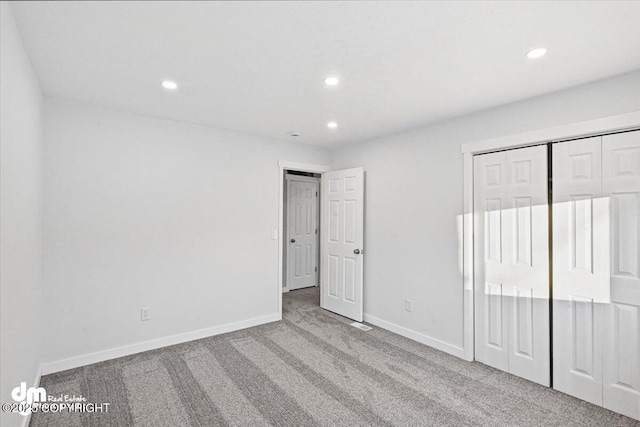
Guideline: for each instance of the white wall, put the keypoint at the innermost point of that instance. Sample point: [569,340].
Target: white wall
[144,212]
[414,202]
[20,214]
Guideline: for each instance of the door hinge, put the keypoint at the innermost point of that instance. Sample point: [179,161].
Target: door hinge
[316,231]
[316,194]
[316,269]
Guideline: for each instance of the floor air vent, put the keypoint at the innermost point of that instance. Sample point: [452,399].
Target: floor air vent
[361,326]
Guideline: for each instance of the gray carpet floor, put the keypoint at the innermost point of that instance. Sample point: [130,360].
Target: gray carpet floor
[311,369]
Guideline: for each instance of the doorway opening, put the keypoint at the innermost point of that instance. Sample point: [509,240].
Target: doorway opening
[293,172]
[301,230]
[327,213]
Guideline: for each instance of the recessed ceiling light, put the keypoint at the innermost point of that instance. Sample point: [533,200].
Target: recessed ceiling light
[537,53]
[170,85]
[331,81]
[332,125]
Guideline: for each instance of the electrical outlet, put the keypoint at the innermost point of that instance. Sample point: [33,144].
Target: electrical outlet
[408,305]
[274,234]
[145,314]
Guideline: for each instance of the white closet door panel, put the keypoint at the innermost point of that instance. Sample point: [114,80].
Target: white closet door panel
[491,211]
[512,267]
[528,234]
[621,184]
[580,268]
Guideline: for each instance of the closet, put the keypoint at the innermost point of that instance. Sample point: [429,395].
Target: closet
[567,275]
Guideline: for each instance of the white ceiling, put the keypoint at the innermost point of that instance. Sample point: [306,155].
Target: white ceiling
[258,67]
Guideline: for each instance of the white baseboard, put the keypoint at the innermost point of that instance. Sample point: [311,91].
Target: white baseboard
[113,353]
[36,383]
[416,336]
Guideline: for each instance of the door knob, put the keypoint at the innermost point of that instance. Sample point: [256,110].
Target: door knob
[356,251]
[293,240]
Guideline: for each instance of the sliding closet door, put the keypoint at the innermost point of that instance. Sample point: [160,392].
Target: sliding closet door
[512,262]
[580,268]
[621,185]
[529,331]
[491,269]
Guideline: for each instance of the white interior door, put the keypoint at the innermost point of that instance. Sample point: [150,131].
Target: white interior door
[580,268]
[512,262]
[302,233]
[492,272]
[621,354]
[342,230]
[529,329]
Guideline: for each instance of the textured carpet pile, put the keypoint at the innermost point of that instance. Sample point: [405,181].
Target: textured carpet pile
[310,369]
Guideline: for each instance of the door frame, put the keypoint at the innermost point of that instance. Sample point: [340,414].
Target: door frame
[300,167]
[617,123]
[300,178]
